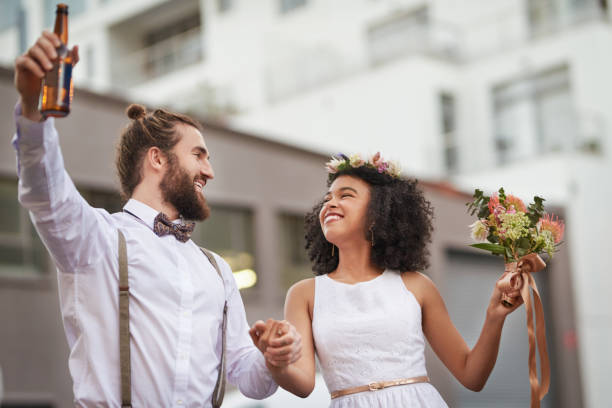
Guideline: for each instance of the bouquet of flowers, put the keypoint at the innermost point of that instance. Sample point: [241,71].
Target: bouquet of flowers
[506,227]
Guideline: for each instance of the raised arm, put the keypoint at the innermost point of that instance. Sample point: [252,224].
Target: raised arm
[72,231]
[471,367]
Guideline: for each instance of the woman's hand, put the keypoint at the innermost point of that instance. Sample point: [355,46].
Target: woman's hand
[496,310]
[279,341]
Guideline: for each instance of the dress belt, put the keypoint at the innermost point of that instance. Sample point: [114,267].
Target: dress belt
[375,386]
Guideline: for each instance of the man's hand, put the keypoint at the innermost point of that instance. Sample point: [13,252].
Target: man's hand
[279,341]
[30,69]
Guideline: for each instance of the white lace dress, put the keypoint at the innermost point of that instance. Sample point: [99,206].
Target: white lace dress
[369,332]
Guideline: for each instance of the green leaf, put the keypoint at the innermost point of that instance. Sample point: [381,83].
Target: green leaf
[523,243]
[508,254]
[502,196]
[495,248]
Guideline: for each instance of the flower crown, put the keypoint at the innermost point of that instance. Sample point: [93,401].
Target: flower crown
[341,162]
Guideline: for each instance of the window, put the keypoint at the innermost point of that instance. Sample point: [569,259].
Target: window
[399,35]
[447,119]
[109,200]
[534,115]
[289,5]
[295,264]
[22,253]
[548,15]
[173,46]
[229,232]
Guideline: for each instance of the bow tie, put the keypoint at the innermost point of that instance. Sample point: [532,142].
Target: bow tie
[162,226]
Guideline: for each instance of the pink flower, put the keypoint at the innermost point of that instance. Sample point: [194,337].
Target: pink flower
[331,169]
[382,167]
[553,224]
[515,202]
[376,160]
[499,210]
[493,203]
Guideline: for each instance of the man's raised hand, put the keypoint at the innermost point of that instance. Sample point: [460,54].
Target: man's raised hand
[31,67]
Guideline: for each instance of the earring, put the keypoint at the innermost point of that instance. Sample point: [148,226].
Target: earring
[333,247]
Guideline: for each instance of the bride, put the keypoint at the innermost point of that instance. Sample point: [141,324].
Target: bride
[368,311]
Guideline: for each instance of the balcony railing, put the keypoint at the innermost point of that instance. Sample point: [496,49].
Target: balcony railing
[160,58]
[429,38]
[305,69]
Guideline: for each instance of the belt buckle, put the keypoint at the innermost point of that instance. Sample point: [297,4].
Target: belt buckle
[375,386]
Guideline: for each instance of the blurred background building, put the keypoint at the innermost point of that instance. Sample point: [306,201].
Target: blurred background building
[465,94]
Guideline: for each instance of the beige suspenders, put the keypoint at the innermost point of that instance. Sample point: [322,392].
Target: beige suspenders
[124,325]
[124,330]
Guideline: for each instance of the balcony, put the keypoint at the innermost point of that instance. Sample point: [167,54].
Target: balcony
[161,58]
[412,33]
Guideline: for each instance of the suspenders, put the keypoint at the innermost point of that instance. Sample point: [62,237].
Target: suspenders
[124,331]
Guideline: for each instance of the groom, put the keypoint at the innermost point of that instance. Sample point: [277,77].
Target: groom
[177,338]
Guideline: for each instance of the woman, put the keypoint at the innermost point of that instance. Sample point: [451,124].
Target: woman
[367,312]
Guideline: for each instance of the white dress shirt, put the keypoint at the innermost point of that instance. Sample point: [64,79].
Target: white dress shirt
[176,296]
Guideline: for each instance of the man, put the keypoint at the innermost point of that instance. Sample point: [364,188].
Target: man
[176,297]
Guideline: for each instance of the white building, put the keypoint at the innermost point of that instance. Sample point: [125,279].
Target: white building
[513,93]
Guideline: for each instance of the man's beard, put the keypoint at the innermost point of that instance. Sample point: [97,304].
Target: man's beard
[178,189]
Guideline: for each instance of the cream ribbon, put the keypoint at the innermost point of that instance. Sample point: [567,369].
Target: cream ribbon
[518,277]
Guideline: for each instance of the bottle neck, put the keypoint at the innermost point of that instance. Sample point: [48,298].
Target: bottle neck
[61,26]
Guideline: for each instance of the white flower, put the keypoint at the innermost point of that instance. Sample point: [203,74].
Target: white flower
[394,169]
[333,164]
[480,231]
[356,161]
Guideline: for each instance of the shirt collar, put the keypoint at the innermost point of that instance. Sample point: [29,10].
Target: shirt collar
[141,210]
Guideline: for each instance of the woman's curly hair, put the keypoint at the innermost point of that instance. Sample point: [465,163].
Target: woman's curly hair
[401,219]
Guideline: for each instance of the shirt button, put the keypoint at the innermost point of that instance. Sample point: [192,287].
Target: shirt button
[179,402]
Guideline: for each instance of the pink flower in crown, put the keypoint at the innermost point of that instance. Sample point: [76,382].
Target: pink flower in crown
[376,160]
[553,224]
[382,167]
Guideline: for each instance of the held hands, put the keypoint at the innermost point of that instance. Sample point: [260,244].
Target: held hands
[279,341]
[31,67]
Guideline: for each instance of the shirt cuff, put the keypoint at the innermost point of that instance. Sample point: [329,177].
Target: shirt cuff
[260,363]
[29,132]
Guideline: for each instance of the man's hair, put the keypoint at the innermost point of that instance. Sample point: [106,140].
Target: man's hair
[146,130]
[399,218]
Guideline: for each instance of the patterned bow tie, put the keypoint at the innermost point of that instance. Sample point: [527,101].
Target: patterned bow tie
[162,226]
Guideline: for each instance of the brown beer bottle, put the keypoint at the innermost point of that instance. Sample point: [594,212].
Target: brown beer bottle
[56,92]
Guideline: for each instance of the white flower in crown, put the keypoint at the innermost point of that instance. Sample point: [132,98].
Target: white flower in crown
[333,165]
[342,162]
[394,169]
[356,161]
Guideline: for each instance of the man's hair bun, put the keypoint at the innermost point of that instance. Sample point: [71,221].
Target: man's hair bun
[136,111]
